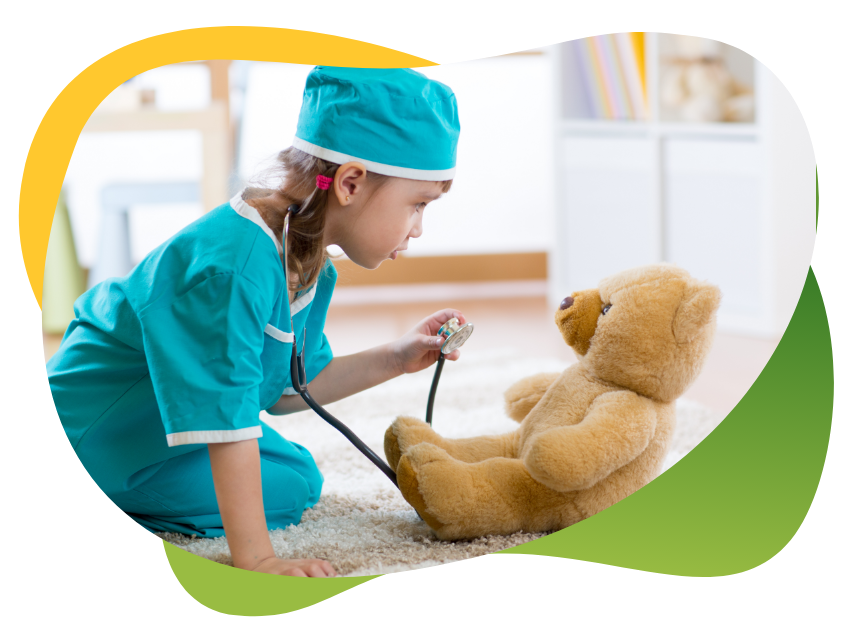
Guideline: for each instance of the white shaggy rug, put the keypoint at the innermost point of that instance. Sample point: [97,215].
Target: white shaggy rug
[362,525]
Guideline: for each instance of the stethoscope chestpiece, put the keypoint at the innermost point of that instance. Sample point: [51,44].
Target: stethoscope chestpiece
[454,334]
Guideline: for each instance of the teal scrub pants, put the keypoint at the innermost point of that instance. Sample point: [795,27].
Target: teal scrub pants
[104,397]
[180,496]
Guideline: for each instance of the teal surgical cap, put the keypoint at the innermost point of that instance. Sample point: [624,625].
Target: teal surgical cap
[394,121]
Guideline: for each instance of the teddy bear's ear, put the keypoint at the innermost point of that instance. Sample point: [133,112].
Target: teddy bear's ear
[696,311]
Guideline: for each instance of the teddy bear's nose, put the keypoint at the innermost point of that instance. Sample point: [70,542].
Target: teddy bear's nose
[566,303]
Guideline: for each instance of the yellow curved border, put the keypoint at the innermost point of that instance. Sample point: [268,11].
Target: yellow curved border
[47,163]
[53,144]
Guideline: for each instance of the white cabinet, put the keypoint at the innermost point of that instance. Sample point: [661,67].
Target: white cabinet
[733,203]
[610,187]
[714,221]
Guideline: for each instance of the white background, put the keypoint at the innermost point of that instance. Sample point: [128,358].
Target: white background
[507,134]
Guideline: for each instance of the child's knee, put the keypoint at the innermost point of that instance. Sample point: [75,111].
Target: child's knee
[288,492]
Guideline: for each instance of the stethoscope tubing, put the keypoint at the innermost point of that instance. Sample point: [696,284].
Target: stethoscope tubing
[432,398]
[297,369]
[299,384]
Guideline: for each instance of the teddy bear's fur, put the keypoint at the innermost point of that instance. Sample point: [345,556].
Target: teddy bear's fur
[589,436]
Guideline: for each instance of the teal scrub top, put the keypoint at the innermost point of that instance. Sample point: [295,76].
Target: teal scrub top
[206,317]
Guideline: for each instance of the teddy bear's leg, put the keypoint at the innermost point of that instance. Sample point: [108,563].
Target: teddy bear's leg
[406,432]
[495,496]
[523,395]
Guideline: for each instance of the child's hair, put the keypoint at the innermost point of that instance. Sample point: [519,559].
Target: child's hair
[294,176]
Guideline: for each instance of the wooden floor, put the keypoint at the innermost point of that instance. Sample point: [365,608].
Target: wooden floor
[527,324]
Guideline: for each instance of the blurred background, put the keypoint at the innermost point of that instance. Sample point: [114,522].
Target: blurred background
[575,161]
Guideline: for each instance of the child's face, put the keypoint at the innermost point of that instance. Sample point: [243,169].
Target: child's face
[377,226]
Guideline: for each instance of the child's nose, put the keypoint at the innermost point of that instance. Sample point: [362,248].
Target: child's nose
[417,229]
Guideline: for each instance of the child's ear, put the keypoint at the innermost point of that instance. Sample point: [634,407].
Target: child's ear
[348,180]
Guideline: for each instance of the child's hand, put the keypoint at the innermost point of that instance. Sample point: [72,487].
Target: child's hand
[302,568]
[420,347]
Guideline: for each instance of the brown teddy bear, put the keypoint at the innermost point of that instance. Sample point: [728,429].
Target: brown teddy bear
[588,437]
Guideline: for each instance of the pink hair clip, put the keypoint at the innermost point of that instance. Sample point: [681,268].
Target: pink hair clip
[323,182]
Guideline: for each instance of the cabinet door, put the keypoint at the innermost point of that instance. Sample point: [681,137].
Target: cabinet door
[714,222]
[610,206]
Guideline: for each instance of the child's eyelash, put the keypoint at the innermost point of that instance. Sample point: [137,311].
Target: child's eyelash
[422,204]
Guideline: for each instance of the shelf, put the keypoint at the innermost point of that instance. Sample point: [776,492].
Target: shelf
[583,126]
[212,123]
[596,126]
[211,119]
[575,110]
[730,130]
[704,195]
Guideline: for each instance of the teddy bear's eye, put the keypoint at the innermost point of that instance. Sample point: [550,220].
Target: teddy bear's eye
[606,308]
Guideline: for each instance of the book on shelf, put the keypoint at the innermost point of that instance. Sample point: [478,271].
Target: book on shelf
[612,70]
[589,78]
[638,41]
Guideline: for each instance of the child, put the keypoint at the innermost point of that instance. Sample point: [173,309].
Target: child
[160,378]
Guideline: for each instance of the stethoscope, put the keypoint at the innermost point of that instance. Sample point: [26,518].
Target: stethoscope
[454,334]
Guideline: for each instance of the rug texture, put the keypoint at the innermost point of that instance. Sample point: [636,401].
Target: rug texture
[362,525]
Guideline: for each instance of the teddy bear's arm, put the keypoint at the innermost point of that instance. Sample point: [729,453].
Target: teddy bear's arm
[520,398]
[615,430]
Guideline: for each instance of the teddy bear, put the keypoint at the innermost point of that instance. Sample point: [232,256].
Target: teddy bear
[697,85]
[588,437]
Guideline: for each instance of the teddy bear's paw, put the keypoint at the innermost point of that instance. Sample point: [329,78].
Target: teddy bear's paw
[409,487]
[435,485]
[521,397]
[457,499]
[401,436]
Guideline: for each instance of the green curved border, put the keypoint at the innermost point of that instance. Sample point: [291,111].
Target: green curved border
[238,592]
[730,505]
[738,498]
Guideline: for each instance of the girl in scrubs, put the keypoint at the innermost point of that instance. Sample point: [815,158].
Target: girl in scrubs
[161,376]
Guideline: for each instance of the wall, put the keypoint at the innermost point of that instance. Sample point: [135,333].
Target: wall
[501,199]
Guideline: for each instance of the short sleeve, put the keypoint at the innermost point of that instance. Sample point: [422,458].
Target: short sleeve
[203,350]
[317,356]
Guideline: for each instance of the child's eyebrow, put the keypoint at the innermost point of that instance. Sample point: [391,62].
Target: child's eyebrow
[431,196]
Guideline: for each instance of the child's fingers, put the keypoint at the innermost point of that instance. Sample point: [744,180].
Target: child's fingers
[444,315]
[435,321]
[311,567]
[450,313]
[320,568]
[324,569]
[452,356]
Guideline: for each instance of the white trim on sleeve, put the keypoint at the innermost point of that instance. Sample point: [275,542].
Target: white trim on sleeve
[289,391]
[376,167]
[214,437]
[247,212]
[280,335]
